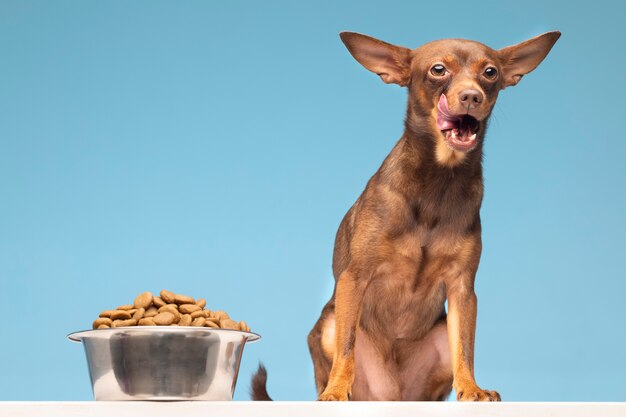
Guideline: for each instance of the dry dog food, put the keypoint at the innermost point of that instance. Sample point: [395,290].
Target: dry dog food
[167,309]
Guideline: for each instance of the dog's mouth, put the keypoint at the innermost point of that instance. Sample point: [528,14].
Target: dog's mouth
[459,130]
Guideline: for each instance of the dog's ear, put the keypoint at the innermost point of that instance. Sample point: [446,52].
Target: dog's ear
[392,63]
[518,60]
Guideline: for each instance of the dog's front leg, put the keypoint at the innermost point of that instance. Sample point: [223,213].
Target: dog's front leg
[348,298]
[462,304]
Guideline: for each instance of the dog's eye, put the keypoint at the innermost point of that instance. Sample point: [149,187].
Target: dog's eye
[438,70]
[491,73]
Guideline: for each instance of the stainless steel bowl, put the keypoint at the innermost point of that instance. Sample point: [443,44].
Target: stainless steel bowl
[163,363]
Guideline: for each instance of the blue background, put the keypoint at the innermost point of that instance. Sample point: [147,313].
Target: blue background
[212,148]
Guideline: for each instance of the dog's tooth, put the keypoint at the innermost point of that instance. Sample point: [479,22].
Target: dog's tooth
[453,133]
[472,137]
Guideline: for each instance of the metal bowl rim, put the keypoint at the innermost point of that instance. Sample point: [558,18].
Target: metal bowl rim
[78,336]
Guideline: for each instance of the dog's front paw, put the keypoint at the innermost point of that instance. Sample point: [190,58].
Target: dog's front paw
[477,394]
[333,395]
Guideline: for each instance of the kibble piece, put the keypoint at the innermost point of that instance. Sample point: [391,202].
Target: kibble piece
[147,321]
[168,296]
[172,308]
[158,302]
[229,324]
[143,300]
[244,326]
[102,321]
[124,323]
[214,320]
[198,322]
[106,313]
[139,313]
[151,312]
[200,313]
[184,299]
[211,324]
[185,320]
[188,308]
[104,326]
[201,302]
[120,315]
[164,319]
[125,307]
[221,315]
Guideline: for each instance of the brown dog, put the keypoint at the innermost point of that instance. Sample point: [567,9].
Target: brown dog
[413,238]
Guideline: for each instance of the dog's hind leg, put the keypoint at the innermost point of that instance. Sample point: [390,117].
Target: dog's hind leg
[376,373]
[426,367]
[321,342]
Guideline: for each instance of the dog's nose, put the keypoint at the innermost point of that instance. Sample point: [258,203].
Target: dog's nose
[471,97]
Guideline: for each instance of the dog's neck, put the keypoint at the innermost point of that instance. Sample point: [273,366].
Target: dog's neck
[412,168]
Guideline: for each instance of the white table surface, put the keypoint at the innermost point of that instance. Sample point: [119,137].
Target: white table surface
[308,409]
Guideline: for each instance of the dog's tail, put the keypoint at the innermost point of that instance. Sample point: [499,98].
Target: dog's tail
[258,389]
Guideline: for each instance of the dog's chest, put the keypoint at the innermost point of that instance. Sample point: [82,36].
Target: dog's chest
[402,307]
[407,295]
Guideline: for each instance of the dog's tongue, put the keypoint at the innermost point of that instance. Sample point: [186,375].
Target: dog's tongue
[467,125]
[445,120]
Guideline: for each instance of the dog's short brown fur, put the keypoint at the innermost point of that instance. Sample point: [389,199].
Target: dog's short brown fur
[412,240]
